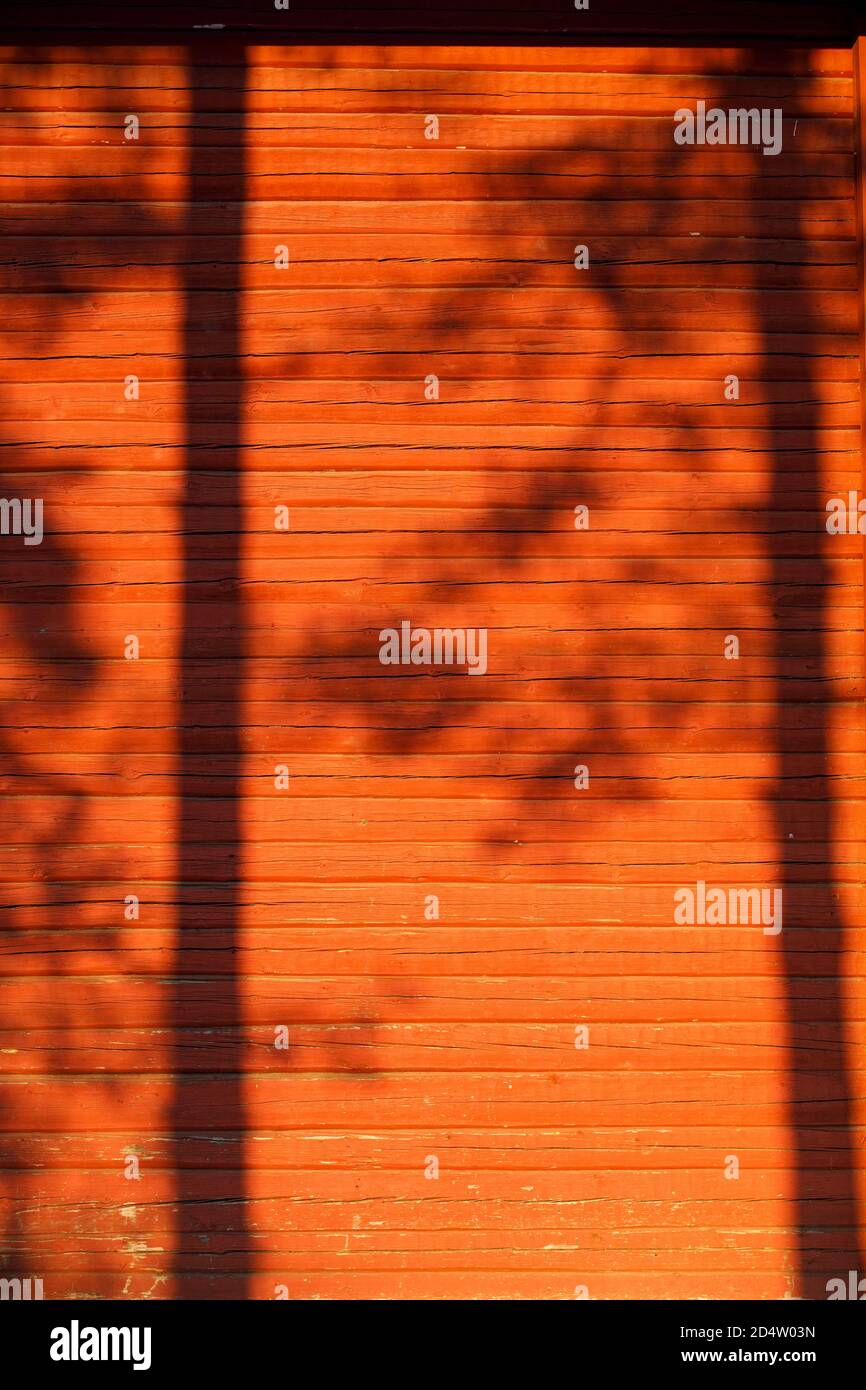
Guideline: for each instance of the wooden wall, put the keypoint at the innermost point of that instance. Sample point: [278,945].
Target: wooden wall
[561,1168]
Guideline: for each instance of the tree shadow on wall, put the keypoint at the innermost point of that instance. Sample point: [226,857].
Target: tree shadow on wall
[741,272]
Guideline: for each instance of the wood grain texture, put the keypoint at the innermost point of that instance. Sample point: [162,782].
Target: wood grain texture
[148,1033]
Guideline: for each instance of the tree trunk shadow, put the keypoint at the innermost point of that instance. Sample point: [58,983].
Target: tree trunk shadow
[201,859]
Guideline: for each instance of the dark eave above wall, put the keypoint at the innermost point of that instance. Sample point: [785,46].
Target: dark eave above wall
[726,23]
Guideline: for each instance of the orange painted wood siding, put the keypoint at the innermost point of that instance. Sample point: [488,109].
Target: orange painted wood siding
[411,1037]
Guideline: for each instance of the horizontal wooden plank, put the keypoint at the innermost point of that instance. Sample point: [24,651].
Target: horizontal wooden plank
[551,782]
[473,91]
[827,219]
[346,1012]
[752,469]
[738,729]
[611,174]
[533,400]
[776,58]
[535,820]
[500,774]
[298,1201]
[490,859]
[27,567]
[375,1048]
[425,1258]
[492,930]
[470,1150]
[94,536]
[418,1287]
[517,674]
[60,262]
[332,494]
[388,129]
[749,357]
[38,181]
[356,319]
